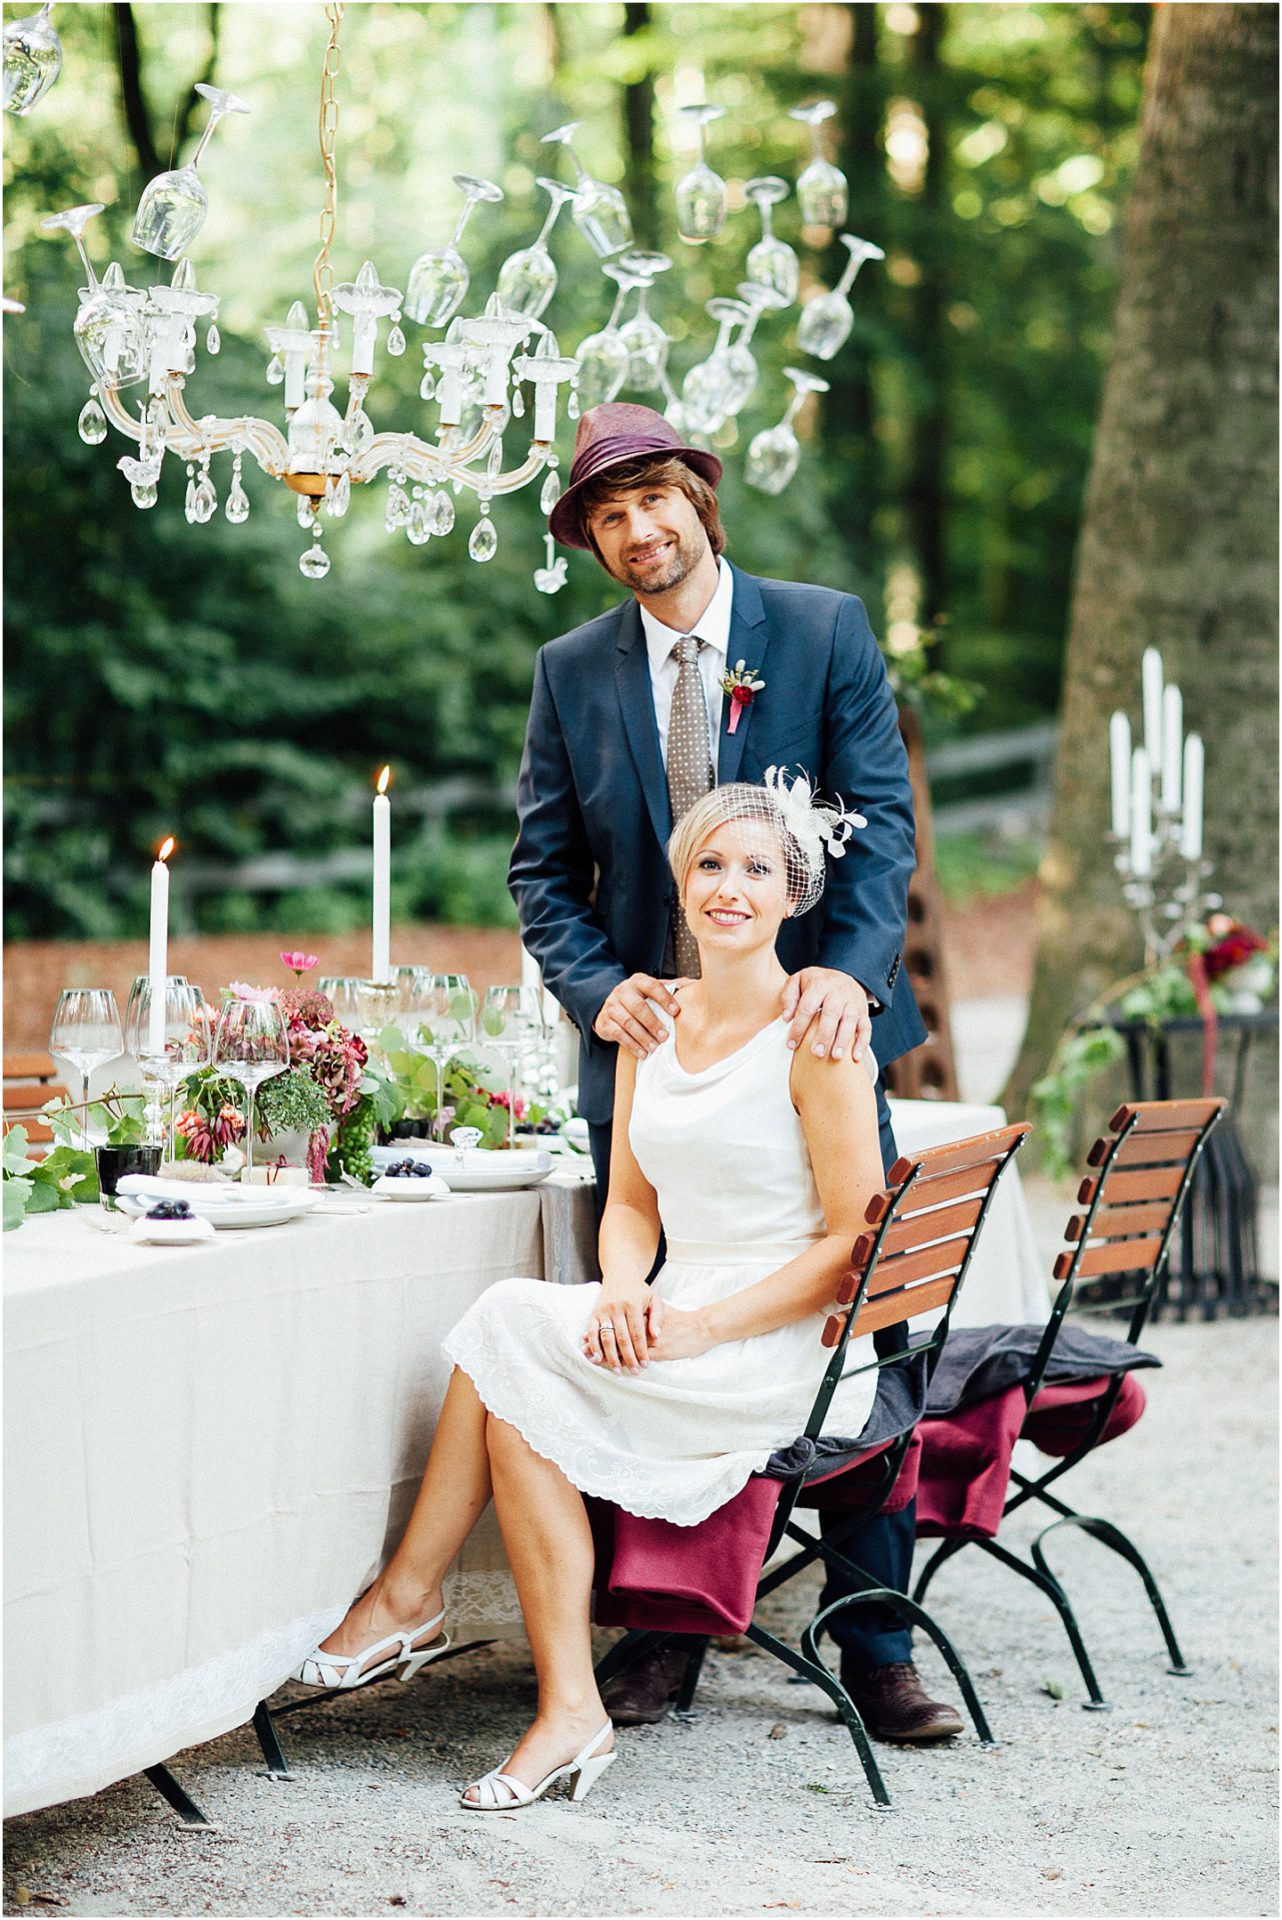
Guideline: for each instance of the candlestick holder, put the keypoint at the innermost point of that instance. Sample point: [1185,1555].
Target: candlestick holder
[379,1001]
[1172,895]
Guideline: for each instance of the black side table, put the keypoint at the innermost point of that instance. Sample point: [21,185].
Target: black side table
[1214,1266]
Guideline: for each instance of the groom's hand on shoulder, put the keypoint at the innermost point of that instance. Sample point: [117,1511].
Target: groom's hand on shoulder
[829,1011]
[629,1016]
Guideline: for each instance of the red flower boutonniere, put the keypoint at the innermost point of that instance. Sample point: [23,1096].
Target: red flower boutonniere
[743,690]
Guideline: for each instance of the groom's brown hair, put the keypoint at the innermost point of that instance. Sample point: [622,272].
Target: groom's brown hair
[652,470]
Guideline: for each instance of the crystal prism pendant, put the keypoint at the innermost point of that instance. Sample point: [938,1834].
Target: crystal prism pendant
[396,342]
[494,460]
[213,339]
[484,543]
[205,503]
[237,508]
[442,512]
[572,405]
[338,496]
[314,564]
[144,493]
[275,370]
[305,510]
[427,387]
[398,508]
[551,493]
[419,529]
[518,403]
[92,424]
[189,502]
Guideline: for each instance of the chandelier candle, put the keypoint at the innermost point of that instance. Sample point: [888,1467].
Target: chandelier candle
[1119,753]
[158,948]
[381,956]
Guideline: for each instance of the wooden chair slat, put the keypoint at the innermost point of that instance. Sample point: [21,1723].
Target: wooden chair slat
[29,1099]
[1148,1183]
[1165,1116]
[907,1268]
[1145,1149]
[888,1309]
[929,1191]
[1111,1222]
[956,1154]
[39,1132]
[29,1066]
[1113,1256]
[919,1229]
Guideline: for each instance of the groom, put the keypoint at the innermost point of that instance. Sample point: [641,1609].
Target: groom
[629,722]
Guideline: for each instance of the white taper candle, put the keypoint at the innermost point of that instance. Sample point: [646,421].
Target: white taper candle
[1119,755]
[1172,746]
[158,949]
[1194,767]
[1151,680]
[1141,815]
[381,936]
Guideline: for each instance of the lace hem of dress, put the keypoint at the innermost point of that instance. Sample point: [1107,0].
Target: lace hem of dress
[571,1451]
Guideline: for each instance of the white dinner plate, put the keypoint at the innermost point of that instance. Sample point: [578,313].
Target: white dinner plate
[410,1187]
[263,1210]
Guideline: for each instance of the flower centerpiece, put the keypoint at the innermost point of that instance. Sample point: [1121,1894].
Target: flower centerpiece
[470,1095]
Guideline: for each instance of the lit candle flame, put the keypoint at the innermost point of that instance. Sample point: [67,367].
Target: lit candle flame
[383,779]
[166,848]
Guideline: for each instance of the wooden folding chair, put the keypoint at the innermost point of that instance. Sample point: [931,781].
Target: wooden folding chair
[28,1083]
[1142,1170]
[662,1579]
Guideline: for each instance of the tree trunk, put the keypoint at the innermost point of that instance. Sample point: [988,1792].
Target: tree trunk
[133,96]
[638,128]
[1178,541]
[925,495]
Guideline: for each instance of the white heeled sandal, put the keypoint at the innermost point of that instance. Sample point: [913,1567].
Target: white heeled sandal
[500,1792]
[340,1672]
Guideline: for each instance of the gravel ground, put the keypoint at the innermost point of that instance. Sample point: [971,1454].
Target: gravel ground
[1165,1805]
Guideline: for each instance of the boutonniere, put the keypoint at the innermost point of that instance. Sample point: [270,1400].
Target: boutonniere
[742,688]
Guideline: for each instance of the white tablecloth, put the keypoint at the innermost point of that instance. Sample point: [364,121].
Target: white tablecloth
[209,1450]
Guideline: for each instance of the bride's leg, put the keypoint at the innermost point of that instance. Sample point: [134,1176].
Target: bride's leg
[454,1493]
[549,1547]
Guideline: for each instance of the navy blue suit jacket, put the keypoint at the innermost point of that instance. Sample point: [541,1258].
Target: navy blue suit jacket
[589,873]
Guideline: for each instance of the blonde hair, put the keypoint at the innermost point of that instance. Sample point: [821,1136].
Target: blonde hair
[737,800]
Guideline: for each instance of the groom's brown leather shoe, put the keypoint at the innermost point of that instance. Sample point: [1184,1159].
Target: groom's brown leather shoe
[894,1705]
[643,1695]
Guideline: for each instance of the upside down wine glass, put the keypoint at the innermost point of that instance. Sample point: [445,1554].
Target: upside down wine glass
[822,187]
[174,204]
[827,319]
[772,262]
[32,60]
[527,278]
[251,1045]
[708,387]
[439,278]
[740,359]
[600,212]
[602,357]
[643,337]
[774,452]
[701,194]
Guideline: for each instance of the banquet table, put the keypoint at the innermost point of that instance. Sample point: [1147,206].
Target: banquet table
[209,1450]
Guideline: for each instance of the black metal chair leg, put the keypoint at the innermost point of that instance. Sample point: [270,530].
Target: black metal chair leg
[625,1653]
[900,1603]
[1046,1583]
[690,1678]
[273,1753]
[944,1551]
[818,1674]
[1113,1537]
[177,1797]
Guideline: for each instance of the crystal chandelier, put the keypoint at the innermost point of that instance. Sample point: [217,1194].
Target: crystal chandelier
[486,371]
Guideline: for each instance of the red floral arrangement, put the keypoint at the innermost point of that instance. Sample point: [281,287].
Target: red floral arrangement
[1231,944]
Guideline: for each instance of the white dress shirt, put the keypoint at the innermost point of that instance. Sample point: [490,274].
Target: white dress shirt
[713,628]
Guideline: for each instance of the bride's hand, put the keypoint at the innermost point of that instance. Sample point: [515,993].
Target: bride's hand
[615,1335]
[676,1334]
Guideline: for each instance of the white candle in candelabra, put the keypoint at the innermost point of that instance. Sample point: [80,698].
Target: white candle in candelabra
[1172,746]
[531,975]
[158,948]
[1141,815]
[381,941]
[1191,830]
[1119,754]
[1151,681]
[545,410]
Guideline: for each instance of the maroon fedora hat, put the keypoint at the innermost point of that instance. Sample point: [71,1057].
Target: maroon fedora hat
[609,436]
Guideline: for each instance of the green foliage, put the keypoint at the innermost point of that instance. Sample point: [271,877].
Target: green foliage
[166,677]
[66,1177]
[974,865]
[291,1102]
[121,1117]
[1056,1097]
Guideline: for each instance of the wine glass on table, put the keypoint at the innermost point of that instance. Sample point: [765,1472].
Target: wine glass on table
[86,1030]
[251,1045]
[513,1019]
[175,1044]
[448,1025]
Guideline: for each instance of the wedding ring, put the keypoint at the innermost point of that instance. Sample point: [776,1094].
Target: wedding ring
[607,1326]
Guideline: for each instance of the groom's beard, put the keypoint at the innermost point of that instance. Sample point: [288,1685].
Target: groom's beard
[681,562]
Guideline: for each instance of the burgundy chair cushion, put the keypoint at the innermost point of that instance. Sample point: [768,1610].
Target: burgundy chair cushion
[650,1573]
[965,1458]
[846,1492]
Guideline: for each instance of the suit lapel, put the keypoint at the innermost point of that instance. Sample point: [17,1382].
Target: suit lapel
[636,704]
[749,641]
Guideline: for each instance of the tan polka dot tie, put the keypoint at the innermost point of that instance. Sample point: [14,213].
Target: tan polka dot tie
[689,767]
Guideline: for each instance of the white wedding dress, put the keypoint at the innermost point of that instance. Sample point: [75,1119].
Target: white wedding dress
[726,1155]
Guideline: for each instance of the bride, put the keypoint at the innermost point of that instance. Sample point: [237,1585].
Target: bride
[756,1163]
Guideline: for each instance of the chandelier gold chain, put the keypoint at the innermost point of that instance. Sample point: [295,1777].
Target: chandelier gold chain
[322,272]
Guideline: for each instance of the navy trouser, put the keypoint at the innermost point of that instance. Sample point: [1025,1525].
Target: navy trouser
[883,1547]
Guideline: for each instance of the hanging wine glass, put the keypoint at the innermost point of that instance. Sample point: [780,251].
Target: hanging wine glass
[774,452]
[32,59]
[701,194]
[174,204]
[741,362]
[600,212]
[708,387]
[827,319]
[251,1045]
[602,357]
[439,278]
[821,187]
[772,262]
[74,220]
[527,278]
[642,336]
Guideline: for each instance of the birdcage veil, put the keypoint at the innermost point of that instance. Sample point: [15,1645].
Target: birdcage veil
[809,831]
